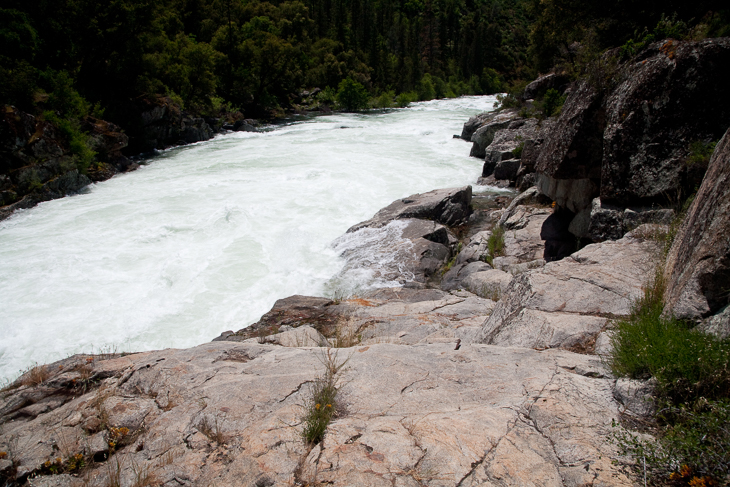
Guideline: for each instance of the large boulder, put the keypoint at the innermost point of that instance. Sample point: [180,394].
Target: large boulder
[403,250]
[503,146]
[629,144]
[446,206]
[698,265]
[543,83]
[484,135]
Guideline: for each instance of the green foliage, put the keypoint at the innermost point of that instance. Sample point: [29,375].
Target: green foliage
[426,89]
[328,96]
[495,245]
[552,103]
[666,28]
[352,96]
[405,99]
[507,101]
[384,100]
[322,404]
[692,445]
[78,142]
[700,152]
[517,151]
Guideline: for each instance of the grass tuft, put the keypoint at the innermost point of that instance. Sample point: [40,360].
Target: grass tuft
[495,245]
[322,405]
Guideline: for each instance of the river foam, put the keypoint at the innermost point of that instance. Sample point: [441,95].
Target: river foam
[206,237]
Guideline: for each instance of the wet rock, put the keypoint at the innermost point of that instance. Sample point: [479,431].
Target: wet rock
[698,264]
[446,206]
[485,134]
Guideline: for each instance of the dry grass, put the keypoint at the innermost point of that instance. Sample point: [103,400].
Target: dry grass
[213,429]
[347,334]
[35,376]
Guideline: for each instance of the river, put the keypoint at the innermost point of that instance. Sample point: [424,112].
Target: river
[205,238]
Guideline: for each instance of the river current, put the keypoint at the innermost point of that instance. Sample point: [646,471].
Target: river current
[205,238]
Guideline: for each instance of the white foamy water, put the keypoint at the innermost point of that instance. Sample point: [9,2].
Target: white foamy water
[206,237]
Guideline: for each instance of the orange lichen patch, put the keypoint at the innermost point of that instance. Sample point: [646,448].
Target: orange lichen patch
[360,302]
[702,482]
[669,49]
[3,454]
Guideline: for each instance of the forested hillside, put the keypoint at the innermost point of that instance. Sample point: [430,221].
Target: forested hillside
[71,58]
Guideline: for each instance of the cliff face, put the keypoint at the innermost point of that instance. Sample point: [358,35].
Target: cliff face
[37,162]
[630,145]
[698,265]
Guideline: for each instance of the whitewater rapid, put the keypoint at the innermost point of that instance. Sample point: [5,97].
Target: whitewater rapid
[205,238]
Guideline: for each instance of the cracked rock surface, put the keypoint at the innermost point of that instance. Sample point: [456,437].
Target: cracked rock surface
[228,413]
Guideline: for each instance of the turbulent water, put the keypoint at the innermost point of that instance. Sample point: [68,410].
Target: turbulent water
[205,238]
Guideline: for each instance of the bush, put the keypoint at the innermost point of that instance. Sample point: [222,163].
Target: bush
[426,88]
[352,96]
[552,102]
[384,100]
[78,142]
[700,152]
[405,99]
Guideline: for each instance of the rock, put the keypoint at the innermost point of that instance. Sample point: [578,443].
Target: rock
[484,135]
[293,311]
[164,124]
[446,206]
[507,169]
[467,416]
[454,278]
[549,81]
[530,196]
[522,242]
[503,145]
[490,283]
[698,264]
[475,249]
[564,303]
[635,395]
[404,250]
[243,126]
[606,222]
[718,324]
[672,94]
[474,123]
[304,336]
[628,144]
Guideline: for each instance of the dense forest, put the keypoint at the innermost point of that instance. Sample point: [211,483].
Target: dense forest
[72,58]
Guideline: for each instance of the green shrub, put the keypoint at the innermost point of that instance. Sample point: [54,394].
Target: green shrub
[78,142]
[327,96]
[495,245]
[426,88]
[517,151]
[384,100]
[352,96]
[552,102]
[700,152]
[405,99]
[507,101]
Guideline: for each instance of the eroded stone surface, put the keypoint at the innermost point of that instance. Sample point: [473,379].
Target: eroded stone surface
[564,303]
[229,413]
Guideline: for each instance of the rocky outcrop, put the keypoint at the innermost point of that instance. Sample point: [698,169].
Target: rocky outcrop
[164,124]
[630,144]
[503,153]
[698,264]
[484,135]
[37,163]
[539,87]
[230,413]
[565,304]
[446,206]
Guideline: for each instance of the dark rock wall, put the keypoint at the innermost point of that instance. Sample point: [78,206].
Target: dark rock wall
[698,265]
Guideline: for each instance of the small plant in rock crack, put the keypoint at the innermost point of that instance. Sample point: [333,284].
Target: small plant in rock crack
[495,245]
[322,404]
